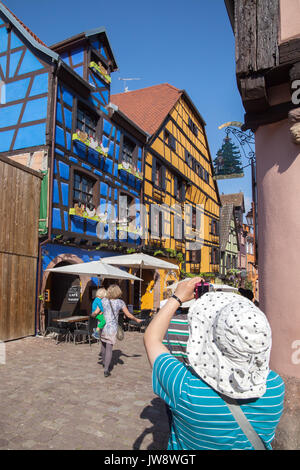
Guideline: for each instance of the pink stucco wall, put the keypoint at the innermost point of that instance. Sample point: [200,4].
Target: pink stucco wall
[289,19]
[278,180]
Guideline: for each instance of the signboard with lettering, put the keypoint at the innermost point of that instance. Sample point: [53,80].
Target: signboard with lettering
[74,294]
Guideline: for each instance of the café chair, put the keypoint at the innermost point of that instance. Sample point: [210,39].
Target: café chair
[85,329]
[56,327]
[145,315]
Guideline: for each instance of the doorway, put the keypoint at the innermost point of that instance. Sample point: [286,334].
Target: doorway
[65,292]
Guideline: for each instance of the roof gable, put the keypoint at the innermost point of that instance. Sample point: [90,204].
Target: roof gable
[148,107]
[236,199]
[91,35]
[26,32]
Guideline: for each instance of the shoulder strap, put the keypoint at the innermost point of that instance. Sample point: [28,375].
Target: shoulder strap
[244,424]
[112,310]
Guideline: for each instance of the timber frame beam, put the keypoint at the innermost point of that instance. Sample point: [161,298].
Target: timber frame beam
[262,64]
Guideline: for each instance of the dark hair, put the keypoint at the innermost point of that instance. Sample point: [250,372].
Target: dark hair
[246,293]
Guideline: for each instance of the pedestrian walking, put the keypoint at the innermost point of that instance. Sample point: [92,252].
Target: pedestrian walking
[113,305]
[228,398]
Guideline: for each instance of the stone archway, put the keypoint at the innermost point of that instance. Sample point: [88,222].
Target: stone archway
[62,258]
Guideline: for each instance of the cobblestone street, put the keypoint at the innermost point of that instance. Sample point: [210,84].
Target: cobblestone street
[56,397]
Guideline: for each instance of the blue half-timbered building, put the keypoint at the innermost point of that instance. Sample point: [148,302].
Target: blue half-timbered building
[56,117]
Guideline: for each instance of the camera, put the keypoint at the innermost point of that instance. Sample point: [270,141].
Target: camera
[201,288]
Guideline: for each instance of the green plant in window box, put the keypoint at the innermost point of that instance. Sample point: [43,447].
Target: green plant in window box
[158,253]
[131,250]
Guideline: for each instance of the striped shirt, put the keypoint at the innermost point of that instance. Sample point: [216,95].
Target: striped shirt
[177,336]
[201,419]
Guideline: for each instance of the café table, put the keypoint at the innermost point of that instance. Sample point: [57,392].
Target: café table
[71,321]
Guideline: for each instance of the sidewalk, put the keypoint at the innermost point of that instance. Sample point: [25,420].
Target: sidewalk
[56,397]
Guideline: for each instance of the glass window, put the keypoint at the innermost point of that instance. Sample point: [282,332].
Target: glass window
[170,139]
[158,174]
[86,123]
[195,256]
[128,150]
[82,189]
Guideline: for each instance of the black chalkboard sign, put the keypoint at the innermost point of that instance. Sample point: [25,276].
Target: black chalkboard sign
[74,294]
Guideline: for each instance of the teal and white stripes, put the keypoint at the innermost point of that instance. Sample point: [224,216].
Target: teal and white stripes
[202,420]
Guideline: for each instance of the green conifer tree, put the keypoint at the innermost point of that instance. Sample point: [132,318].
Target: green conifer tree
[228,160]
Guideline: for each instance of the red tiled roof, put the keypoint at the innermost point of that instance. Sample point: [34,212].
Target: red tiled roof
[25,27]
[148,107]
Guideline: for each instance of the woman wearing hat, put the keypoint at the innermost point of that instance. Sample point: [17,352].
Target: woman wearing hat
[228,376]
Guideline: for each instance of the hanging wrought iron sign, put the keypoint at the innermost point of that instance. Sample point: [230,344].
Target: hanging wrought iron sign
[228,162]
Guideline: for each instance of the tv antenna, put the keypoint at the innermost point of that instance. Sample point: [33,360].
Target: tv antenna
[125,80]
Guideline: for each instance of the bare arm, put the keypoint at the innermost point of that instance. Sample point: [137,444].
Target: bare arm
[129,315]
[95,312]
[156,330]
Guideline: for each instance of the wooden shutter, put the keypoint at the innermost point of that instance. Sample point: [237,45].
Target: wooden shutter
[186,156]
[175,186]
[153,169]
[182,192]
[160,224]
[163,178]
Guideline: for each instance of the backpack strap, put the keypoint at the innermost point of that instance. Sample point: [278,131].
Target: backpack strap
[244,424]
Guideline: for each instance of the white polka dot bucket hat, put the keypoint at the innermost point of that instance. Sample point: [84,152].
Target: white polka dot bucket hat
[229,344]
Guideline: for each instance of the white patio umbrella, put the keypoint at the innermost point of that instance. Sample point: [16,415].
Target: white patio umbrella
[141,261]
[95,269]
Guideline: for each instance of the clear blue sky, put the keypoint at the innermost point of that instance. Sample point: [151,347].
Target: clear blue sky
[189,44]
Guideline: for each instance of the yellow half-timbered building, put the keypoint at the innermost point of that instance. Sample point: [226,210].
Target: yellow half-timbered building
[179,193]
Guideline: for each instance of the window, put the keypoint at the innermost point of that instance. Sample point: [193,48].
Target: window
[194,217]
[170,139]
[189,159]
[179,189]
[193,127]
[86,122]
[215,227]
[156,219]
[215,256]
[2,93]
[201,172]
[128,150]
[195,256]
[206,176]
[158,172]
[125,207]
[82,189]
[228,262]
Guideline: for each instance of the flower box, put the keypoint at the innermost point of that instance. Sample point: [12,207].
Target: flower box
[125,228]
[105,76]
[84,215]
[130,170]
[91,143]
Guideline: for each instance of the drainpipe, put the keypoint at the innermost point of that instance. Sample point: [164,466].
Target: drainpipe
[50,181]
